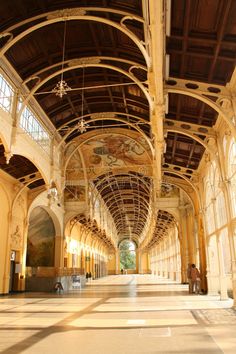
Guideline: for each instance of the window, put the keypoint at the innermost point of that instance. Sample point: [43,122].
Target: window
[6,95]
[31,125]
[220,207]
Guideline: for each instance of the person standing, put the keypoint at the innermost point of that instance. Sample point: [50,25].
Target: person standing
[195,279]
[190,289]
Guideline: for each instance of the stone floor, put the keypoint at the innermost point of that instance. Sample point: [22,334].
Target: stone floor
[124,314]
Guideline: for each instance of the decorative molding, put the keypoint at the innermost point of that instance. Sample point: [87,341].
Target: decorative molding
[103,115]
[16,238]
[84,61]
[66,13]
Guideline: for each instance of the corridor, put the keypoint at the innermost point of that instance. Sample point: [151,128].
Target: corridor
[123,314]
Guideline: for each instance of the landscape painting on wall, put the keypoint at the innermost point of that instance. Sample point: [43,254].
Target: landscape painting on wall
[40,240]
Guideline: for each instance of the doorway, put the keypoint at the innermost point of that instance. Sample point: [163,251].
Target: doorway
[12,275]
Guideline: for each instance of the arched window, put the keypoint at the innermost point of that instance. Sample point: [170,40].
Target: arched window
[220,207]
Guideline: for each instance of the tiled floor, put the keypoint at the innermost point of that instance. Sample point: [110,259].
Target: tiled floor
[124,314]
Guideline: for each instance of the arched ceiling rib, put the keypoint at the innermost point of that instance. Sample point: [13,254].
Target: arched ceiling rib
[104,38]
[127,197]
[164,222]
[20,168]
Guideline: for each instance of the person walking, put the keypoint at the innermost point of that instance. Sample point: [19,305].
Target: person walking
[195,279]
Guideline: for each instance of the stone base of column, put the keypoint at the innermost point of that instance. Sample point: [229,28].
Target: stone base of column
[5,289]
[178,277]
[223,288]
[213,285]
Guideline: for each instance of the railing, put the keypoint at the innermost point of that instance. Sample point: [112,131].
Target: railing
[52,272]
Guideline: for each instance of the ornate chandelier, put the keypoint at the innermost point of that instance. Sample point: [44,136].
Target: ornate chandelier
[61,88]
[82,125]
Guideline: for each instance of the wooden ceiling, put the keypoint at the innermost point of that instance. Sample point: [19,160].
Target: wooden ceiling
[202,43]
[201,47]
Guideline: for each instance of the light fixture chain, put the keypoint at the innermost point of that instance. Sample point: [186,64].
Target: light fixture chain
[63,51]
[62,87]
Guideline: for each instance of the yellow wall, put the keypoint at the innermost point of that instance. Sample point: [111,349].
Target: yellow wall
[13,231]
[4,214]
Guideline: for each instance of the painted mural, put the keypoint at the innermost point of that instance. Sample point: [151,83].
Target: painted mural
[100,155]
[41,239]
[74,192]
[74,169]
[114,151]
[169,191]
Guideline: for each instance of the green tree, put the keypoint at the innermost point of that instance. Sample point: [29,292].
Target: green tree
[127,255]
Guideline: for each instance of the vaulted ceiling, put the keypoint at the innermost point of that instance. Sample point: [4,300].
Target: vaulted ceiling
[97,45]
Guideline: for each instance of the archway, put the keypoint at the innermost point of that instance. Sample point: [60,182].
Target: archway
[127,250]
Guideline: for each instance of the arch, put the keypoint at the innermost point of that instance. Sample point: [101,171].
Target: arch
[206,100]
[134,126]
[126,238]
[91,138]
[40,239]
[127,254]
[26,153]
[200,141]
[188,181]
[191,135]
[172,212]
[125,174]
[78,66]
[41,201]
[60,16]
[180,187]
[22,189]
[103,113]
[97,57]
